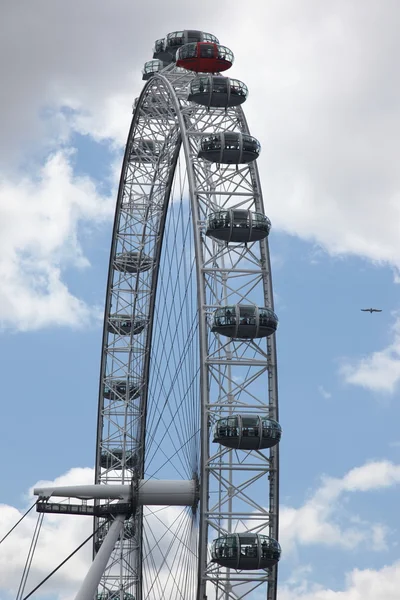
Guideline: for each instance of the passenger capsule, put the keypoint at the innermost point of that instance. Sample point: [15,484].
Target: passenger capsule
[244,321]
[204,57]
[239,226]
[112,459]
[165,49]
[245,551]
[151,67]
[247,432]
[125,325]
[229,148]
[160,52]
[116,389]
[217,91]
[144,151]
[132,262]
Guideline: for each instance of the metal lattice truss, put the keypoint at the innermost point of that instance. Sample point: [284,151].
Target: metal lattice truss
[238,489]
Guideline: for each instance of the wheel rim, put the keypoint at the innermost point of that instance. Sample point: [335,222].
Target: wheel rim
[184,373]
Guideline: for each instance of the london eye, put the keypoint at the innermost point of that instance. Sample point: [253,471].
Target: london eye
[186,494]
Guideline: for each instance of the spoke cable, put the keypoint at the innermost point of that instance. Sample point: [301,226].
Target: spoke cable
[29,558]
[18,522]
[61,564]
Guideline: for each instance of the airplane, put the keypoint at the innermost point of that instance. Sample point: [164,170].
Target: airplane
[371,310]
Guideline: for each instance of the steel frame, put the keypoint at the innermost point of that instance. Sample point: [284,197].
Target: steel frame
[235,374]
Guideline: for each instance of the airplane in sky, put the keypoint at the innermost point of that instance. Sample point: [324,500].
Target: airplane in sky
[371,310]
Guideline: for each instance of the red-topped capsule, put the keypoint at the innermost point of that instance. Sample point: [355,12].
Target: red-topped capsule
[204,57]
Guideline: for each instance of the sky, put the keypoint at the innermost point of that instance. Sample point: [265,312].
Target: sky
[324,103]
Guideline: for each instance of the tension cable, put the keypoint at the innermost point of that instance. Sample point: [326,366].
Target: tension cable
[29,558]
[61,564]
[18,522]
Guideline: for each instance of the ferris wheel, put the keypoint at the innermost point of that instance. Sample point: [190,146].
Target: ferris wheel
[187,472]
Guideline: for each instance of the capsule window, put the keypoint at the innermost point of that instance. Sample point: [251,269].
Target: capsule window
[208,37]
[225,316]
[211,143]
[175,42]
[249,550]
[233,428]
[267,542]
[266,316]
[192,35]
[225,547]
[204,85]
[250,427]
[200,85]
[232,142]
[250,421]
[217,220]
[260,221]
[249,144]
[159,45]
[247,315]
[268,432]
[175,38]
[271,429]
[241,218]
[187,51]
[206,51]
[227,219]
[220,85]
[230,541]
[151,66]
[238,88]
[225,54]
[226,428]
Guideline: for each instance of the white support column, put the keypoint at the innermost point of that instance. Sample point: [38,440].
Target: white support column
[98,566]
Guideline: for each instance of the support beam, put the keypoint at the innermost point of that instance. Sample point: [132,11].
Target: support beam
[98,566]
[148,492]
[86,492]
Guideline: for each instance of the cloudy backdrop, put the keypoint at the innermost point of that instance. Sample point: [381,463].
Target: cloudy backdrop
[325,103]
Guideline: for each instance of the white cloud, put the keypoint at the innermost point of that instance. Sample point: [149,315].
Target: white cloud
[366,584]
[372,475]
[87,58]
[324,393]
[59,536]
[317,521]
[39,219]
[328,98]
[324,104]
[167,530]
[379,371]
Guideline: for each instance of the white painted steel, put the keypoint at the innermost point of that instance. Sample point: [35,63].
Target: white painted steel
[85,492]
[232,376]
[98,566]
[171,493]
[153,492]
